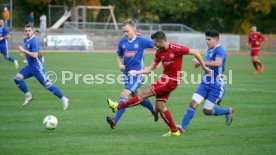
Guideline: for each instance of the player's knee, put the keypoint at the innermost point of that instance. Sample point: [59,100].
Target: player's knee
[47,85]
[207,111]
[193,104]
[160,106]
[19,76]
[17,79]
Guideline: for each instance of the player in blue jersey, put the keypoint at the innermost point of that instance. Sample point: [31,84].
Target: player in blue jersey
[131,57]
[4,49]
[212,87]
[35,68]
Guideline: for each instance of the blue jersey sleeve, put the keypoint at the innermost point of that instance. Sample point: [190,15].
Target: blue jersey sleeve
[220,53]
[120,51]
[35,46]
[147,43]
[5,31]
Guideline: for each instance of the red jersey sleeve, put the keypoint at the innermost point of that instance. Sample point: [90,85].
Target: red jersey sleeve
[157,58]
[179,49]
[261,38]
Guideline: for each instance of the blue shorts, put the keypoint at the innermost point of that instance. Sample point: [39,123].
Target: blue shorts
[211,92]
[133,83]
[40,75]
[4,50]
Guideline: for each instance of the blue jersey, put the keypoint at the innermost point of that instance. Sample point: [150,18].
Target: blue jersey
[216,79]
[3,32]
[133,52]
[32,45]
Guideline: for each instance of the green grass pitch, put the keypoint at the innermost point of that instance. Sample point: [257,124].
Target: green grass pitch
[83,129]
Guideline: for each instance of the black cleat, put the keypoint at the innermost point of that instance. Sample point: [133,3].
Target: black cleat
[156,116]
[111,122]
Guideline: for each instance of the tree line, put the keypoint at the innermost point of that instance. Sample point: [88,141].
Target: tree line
[228,16]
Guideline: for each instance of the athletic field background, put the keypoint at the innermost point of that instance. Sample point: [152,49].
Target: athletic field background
[82,129]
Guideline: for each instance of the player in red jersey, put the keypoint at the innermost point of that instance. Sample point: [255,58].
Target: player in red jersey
[254,40]
[171,56]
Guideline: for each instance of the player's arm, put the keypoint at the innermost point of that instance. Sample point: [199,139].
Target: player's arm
[120,63]
[23,50]
[8,36]
[145,70]
[261,38]
[216,63]
[198,57]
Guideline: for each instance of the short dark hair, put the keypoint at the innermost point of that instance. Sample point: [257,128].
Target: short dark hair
[159,36]
[128,22]
[29,25]
[212,33]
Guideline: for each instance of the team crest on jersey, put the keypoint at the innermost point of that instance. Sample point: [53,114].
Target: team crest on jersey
[136,45]
[124,46]
[211,54]
[171,55]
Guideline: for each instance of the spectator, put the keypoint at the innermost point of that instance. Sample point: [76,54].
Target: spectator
[43,25]
[6,16]
[136,17]
[30,18]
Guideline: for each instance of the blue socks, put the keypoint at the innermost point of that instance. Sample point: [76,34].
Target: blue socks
[55,90]
[21,84]
[23,87]
[10,58]
[146,103]
[220,111]
[188,117]
[119,113]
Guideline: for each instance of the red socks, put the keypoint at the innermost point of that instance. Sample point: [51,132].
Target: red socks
[258,66]
[167,117]
[131,102]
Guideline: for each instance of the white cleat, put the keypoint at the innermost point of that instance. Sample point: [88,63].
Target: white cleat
[28,99]
[16,64]
[229,117]
[65,103]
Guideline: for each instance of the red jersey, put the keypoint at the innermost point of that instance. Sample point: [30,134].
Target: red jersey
[255,38]
[172,60]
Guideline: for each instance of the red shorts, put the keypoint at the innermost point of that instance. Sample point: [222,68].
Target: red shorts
[163,87]
[255,52]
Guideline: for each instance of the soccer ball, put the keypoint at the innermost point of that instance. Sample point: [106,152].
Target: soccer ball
[50,122]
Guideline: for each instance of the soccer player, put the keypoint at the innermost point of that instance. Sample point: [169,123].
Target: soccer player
[254,40]
[171,56]
[131,57]
[4,50]
[211,88]
[35,68]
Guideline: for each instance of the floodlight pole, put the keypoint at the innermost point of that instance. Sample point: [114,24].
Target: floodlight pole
[11,15]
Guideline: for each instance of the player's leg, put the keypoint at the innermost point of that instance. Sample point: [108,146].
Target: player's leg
[43,79]
[166,115]
[24,73]
[162,89]
[215,97]
[256,62]
[130,102]
[123,97]
[189,115]
[197,98]
[132,84]
[5,52]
